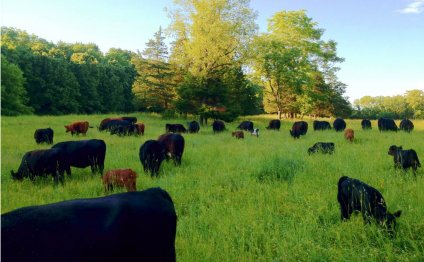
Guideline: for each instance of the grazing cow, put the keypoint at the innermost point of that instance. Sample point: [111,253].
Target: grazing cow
[193,127]
[298,129]
[140,128]
[349,134]
[121,227]
[174,146]
[124,129]
[406,125]
[339,124]
[40,163]
[175,128]
[44,136]
[84,153]
[366,124]
[238,134]
[355,195]
[218,126]
[321,125]
[404,158]
[255,132]
[114,124]
[246,125]
[78,128]
[323,147]
[120,178]
[386,124]
[151,154]
[105,126]
[274,124]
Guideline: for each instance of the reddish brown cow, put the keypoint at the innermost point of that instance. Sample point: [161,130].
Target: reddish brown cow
[78,127]
[140,128]
[349,134]
[120,178]
[238,134]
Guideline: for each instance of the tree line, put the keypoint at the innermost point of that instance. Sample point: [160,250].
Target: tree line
[217,66]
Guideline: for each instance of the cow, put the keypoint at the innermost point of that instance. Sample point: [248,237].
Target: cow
[366,124]
[406,125]
[175,128]
[323,147]
[339,124]
[140,128]
[355,195]
[174,146]
[246,125]
[193,127]
[84,153]
[255,132]
[321,125]
[121,227]
[44,136]
[113,124]
[274,124]
[120,178]
[404,158]
[40,163]
[238,134]
[387,124]
[124,130]
[78,128]
[152,153]
[349,134]
[299,128]
[218,126]
[105,126]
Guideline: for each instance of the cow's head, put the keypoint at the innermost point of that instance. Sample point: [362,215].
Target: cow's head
[393,149]
[16,175]
[68,128]
[391,221]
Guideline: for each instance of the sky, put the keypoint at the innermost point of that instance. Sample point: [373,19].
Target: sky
[382,41]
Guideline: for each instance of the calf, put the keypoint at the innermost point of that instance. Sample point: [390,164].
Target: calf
[121,227]
[120,178]
[174,146]
[44,136]
[218,126]
[175,128]
[77,128]
[193,127]
[152,153]
[355,195]
[366,124]
[404,158]
[255,132]
[140,128]
[325,148]
[299,128]
[349,134]
[238,134]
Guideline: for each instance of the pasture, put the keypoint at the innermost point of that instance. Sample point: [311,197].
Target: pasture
[251,199]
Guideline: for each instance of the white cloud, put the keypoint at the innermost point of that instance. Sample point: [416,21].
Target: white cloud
[416,7]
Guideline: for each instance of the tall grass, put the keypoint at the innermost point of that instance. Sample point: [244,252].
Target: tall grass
[257,199]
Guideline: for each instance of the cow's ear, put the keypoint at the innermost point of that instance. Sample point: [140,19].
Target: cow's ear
[397,213]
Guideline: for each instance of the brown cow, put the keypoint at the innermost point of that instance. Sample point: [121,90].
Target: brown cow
[349,134]
[120,178]
[140,128]
[78,127]
[238,134]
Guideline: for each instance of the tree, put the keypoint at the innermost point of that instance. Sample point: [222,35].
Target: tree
[415,100]
[13,93]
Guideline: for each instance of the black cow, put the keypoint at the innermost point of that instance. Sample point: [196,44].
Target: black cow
[125,129]
[193,127]
[218,126]
[121,227]
[40,163]
[44,136]
[299,128]
[151,154]
[113,124]
[406,125]
[339,124]
[355,195]
[175,128]
[404,158]
[366,124]
[323,147]
[174,146]
[386,124]
[246,125]
[84,153]
[321,125]
[274,124]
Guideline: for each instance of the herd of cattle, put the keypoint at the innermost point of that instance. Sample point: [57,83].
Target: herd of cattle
[142,224]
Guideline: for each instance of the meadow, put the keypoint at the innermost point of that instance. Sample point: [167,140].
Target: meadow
[257,199]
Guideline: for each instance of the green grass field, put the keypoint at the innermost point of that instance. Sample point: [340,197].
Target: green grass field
[257,199]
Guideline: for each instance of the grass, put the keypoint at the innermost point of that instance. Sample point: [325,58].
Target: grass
[257,199]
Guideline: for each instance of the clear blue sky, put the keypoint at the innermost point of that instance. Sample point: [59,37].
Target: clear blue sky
[381,40]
